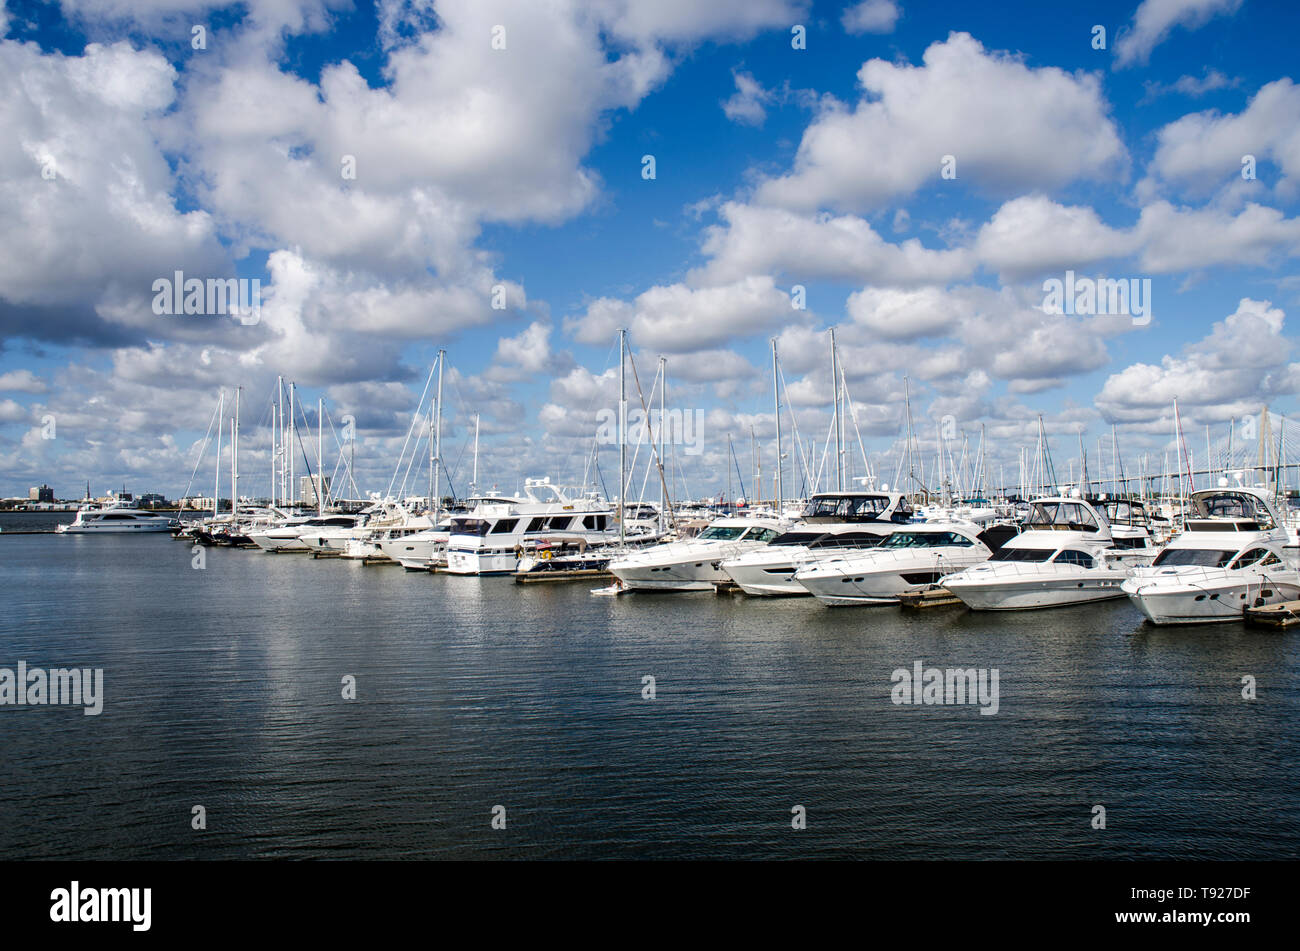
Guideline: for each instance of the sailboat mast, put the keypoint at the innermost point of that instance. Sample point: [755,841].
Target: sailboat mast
[663,486]
[234,458]
[622,434]
[216,486]
[293,434]
[837,421]
[320,455]
[437,440]
[476,422]
[776,403]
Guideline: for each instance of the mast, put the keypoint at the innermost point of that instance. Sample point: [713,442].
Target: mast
[776,402]
[216,487]
[474,484]
[622,434]
[320,455]
[663,486]
[293,436]
[234,459]
[437,439]
[837,420]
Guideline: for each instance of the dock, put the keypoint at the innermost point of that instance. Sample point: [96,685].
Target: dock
[1282,614]
[929,598]
[578,574]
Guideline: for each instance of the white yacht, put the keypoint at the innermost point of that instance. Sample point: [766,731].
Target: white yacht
[117,518]
[1065,556]
[418,551]
[693,564]
[1131,530]
[911,559]
[490,538]
[1229,556]
[830,523]
[287,536]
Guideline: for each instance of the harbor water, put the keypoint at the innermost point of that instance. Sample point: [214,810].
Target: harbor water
[224,688]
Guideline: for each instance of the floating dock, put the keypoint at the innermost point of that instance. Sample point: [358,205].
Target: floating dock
[929,598]
[1282,614]
[578,574]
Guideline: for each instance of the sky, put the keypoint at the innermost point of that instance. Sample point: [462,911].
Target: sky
[515,182]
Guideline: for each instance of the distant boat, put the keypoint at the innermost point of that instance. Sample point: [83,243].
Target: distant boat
[116,518]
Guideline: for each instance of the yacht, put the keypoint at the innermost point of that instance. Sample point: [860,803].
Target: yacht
[911,559]
[287,536]
[117,518]
[423,550]
[1065,556]
[489,539]
[1131,530]
[693,564]
[1229,556]
[831,522]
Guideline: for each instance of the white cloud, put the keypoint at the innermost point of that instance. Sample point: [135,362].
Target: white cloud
[756,240]
[1156,19]
[22,381]
[1032,234]
[746,104]
[871,16]
[1193,86]
[1181,239]
[1008,126]
[1204,150]
[1237,368]
[678,319]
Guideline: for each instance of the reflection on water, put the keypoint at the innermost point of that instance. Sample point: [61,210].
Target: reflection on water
[223,688]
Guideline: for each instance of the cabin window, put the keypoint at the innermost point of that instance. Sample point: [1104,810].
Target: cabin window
[1071,556]
[1022,554]
[1193,557]
[536,525]
[760,535]
[505,526]
[1250,557]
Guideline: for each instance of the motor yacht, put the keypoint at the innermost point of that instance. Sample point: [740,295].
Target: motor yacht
[287,536]
[1229,556]
[693,564]
[1065,556]
[116,518]
[830,523]
[911,559]
[489,539]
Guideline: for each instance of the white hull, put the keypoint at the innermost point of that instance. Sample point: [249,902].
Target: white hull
[1026,593]
[1205,601]
[136,529]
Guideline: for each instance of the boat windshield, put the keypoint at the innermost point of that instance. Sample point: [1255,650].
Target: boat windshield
[1235,505]
[1074,516]
[846,507]
[1199,557]
[797,538]
[722,533]
[1023,554]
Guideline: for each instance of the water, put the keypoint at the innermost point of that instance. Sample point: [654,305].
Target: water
[223,688]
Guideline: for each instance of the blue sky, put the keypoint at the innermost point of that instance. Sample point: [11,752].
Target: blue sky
[480,167]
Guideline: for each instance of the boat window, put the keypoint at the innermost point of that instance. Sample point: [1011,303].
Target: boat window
[1196,557]
[851,540]
[536,524]
[798,538]
[955,540]
[1238,505]
[1071,556]
[1022,554]
[1270,559]
[470,526]
[760,535]
[844,508]
[906,540]
[722,533]
[1250,557]
[1072,515]
[505,526]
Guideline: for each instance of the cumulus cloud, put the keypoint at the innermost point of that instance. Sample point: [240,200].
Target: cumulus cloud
[1156,19]
[871,16]
[1242,363]
[1204,151]
[747,103]
[1007,125]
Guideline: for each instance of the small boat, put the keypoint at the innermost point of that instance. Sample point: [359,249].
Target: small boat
[1229,557]
[116,518]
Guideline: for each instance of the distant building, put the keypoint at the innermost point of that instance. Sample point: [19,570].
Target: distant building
[151,500]
[40,493]
[307,489]
[197,503]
